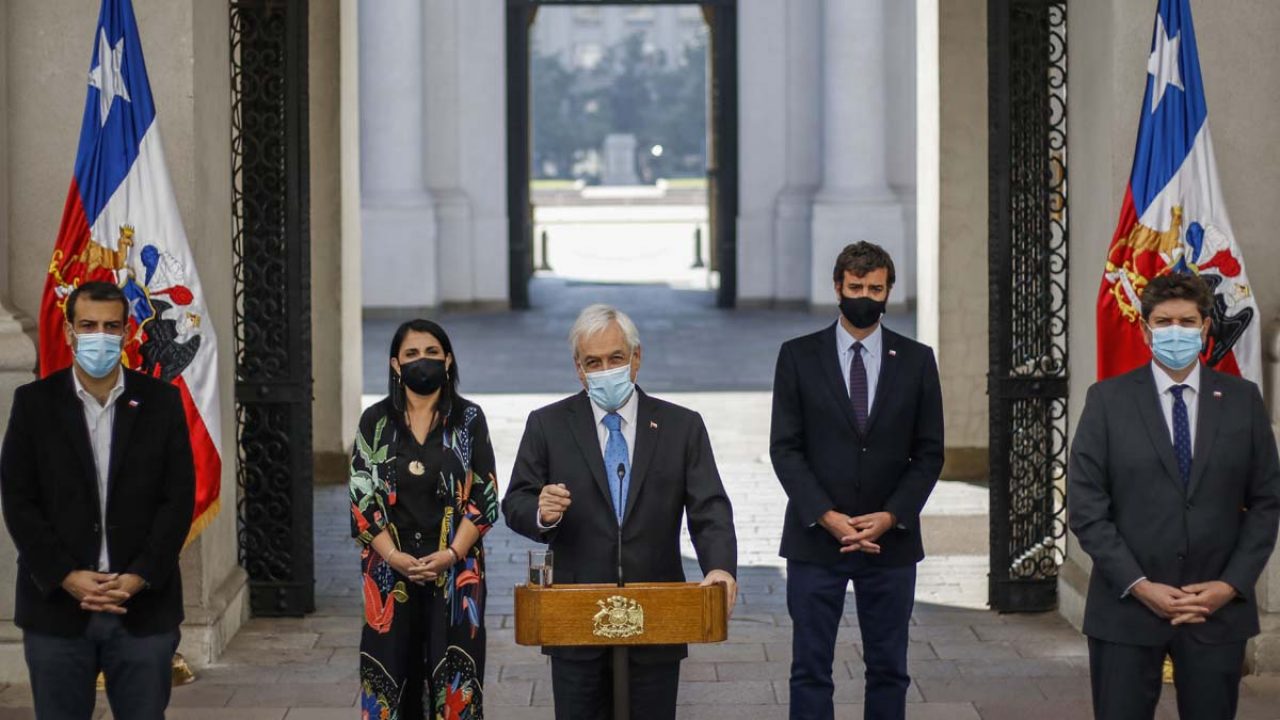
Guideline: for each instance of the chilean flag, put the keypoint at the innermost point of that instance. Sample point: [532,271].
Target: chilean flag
[1173,218]
[120,224]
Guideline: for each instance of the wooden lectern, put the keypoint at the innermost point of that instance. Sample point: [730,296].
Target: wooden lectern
[618,617]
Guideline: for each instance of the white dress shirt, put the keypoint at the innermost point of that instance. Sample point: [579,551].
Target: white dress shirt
[872,348]
[628,429]
[101,420]
[1190,396]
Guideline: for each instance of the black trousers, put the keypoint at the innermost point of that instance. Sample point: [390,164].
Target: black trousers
[64,671]
[583,689]
[815,600]
[1126,679]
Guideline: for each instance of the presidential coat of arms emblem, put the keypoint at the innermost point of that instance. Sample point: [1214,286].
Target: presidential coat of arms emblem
[619,617]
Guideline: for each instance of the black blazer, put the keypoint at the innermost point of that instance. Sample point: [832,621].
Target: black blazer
[1127,506]
[673,473]
[823,462]
[49,489]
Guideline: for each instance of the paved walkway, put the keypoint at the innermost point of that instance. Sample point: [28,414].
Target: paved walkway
[689,344]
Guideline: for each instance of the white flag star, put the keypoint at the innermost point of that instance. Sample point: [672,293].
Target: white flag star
[1163,63]
[106,76]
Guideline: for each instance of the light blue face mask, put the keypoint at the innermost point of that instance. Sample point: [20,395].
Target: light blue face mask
[610,389]
[1176,347]
[98,353]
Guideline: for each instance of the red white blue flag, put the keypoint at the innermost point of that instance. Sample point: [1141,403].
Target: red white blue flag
[120,224]
[1173,218]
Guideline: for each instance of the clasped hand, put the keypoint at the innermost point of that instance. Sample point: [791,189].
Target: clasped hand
[102,592]
[858,533]
[421,570]
[1187,605]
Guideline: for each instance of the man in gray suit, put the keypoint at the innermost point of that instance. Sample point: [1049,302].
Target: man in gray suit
[1174,490]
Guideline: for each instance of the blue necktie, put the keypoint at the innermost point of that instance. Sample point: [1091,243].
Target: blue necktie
[1181,434]
[615,455]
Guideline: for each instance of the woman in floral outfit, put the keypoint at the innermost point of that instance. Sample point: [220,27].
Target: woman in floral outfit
[423,493]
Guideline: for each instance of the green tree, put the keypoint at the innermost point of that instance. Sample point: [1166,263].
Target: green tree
[628,91]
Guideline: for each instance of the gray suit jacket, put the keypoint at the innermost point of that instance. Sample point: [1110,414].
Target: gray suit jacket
[1128,507]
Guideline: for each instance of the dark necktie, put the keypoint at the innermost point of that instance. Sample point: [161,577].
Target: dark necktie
[1181,434]
[858,387]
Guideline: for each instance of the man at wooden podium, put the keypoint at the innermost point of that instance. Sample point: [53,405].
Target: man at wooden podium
[605,477]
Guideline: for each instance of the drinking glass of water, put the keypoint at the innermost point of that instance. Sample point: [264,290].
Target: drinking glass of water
[540,566]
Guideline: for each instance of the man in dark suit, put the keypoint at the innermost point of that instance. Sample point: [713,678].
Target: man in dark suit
[856,442]
[1173,489]
[613,466]
[98,487]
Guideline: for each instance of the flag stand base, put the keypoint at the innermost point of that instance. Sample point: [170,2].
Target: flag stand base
[182,673]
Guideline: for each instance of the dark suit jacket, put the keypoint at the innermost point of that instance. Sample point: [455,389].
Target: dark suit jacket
[673,473]
[49,488]
[1127,506]
[825,464]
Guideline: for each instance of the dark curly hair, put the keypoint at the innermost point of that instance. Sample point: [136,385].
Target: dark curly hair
[861,258]
[1177,286]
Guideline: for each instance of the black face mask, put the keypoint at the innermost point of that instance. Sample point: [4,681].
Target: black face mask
[861,312]
[423,376]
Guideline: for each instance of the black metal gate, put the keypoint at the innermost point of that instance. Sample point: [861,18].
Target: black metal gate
[271,207]
[722,158]
[1027,56]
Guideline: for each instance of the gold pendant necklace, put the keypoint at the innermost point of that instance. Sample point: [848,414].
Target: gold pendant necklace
[417,468]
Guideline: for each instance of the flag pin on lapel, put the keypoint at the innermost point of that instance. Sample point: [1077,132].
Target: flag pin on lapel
[133,403]
[653,425]
[893,353]
[1217,394]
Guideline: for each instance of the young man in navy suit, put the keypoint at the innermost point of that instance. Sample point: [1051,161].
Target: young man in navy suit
[856,441]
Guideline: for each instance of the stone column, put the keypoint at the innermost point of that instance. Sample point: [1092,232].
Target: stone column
[793,211]
[780,136]
[855,201]
[1265,652]
[335,236]
[1105,75]
[17,359]
[399,223]
[466,162]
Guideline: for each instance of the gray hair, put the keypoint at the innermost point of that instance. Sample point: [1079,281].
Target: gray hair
[596,319]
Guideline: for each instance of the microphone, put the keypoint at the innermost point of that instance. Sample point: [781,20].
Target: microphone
[622,473]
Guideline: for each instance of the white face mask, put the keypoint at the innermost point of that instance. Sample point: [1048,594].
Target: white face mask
[610,389]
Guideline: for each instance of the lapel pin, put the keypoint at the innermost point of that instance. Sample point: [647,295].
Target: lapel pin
[893,353]
[653,425]
[1217,393]
[134,403]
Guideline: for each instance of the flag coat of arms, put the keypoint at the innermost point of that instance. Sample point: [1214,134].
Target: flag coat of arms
[120,224]
[1173,218]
